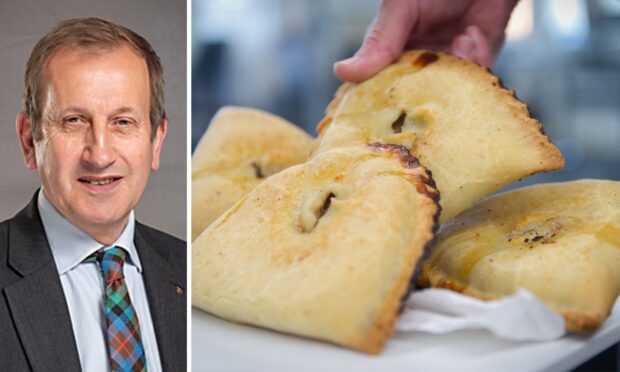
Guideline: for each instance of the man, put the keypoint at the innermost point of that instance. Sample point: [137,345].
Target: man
[83,285]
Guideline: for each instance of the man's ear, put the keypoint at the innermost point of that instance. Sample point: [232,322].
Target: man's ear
[23,128]
[158,141]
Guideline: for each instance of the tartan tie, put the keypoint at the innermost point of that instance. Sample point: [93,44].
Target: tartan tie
[125,348]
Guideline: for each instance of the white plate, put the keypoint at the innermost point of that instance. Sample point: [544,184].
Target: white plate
[218,345]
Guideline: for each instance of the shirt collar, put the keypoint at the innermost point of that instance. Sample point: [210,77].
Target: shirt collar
[70,245]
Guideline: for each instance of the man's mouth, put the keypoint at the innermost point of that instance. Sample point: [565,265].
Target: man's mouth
[99,181]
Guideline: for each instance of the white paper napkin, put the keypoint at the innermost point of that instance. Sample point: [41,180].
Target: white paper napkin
[519,317]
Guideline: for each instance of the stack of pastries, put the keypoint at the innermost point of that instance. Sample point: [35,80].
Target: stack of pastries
[241,147]
[325,238]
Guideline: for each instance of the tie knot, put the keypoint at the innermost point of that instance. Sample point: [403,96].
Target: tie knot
[111,261]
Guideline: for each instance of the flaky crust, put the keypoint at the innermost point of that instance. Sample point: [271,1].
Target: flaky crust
[474,135]
[241,148]
[325,249]
[560,241]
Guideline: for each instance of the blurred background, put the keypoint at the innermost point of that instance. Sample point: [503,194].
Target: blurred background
[562,57]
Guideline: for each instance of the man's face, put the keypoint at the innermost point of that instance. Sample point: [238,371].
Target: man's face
[96,154]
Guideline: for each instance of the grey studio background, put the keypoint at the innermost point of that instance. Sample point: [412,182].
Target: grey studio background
[163,23]
[562,57]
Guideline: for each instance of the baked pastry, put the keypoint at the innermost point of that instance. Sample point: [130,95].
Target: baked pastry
[560,241]
[241,148]
[325,249]
[474,135]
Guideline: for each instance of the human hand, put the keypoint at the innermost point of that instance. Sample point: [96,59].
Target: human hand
[470,29]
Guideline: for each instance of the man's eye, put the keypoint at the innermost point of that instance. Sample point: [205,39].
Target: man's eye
[73,120]
[123,122]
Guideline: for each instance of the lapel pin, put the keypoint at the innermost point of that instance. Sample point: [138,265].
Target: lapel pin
[179,290]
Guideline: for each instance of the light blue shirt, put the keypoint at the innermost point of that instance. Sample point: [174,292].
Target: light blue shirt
[83,286]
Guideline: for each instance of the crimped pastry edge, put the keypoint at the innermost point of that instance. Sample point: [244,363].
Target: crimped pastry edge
[374,340]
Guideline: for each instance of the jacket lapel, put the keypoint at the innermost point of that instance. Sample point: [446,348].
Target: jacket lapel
[165,290]
[37,302]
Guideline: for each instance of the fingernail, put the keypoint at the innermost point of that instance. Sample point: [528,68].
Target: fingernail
[345,63]
[340,68]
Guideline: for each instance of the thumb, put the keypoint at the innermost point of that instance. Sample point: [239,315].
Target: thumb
[384,42]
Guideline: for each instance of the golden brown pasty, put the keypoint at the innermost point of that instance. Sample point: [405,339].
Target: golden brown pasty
[325,249]
[560,241]
[474,135]
[241,148]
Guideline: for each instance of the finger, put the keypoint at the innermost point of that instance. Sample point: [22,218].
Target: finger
[383,43]
[463,46]
[484,56]
[473,45]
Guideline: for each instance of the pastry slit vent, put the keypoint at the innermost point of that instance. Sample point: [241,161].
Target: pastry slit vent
[258,172]
[411,124]
[325,206]
[425,59]
[313,211]
[397,125]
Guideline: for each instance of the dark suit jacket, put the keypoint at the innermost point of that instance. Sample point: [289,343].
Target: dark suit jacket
[35,327]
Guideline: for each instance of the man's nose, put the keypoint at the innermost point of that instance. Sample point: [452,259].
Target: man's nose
[99,151]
